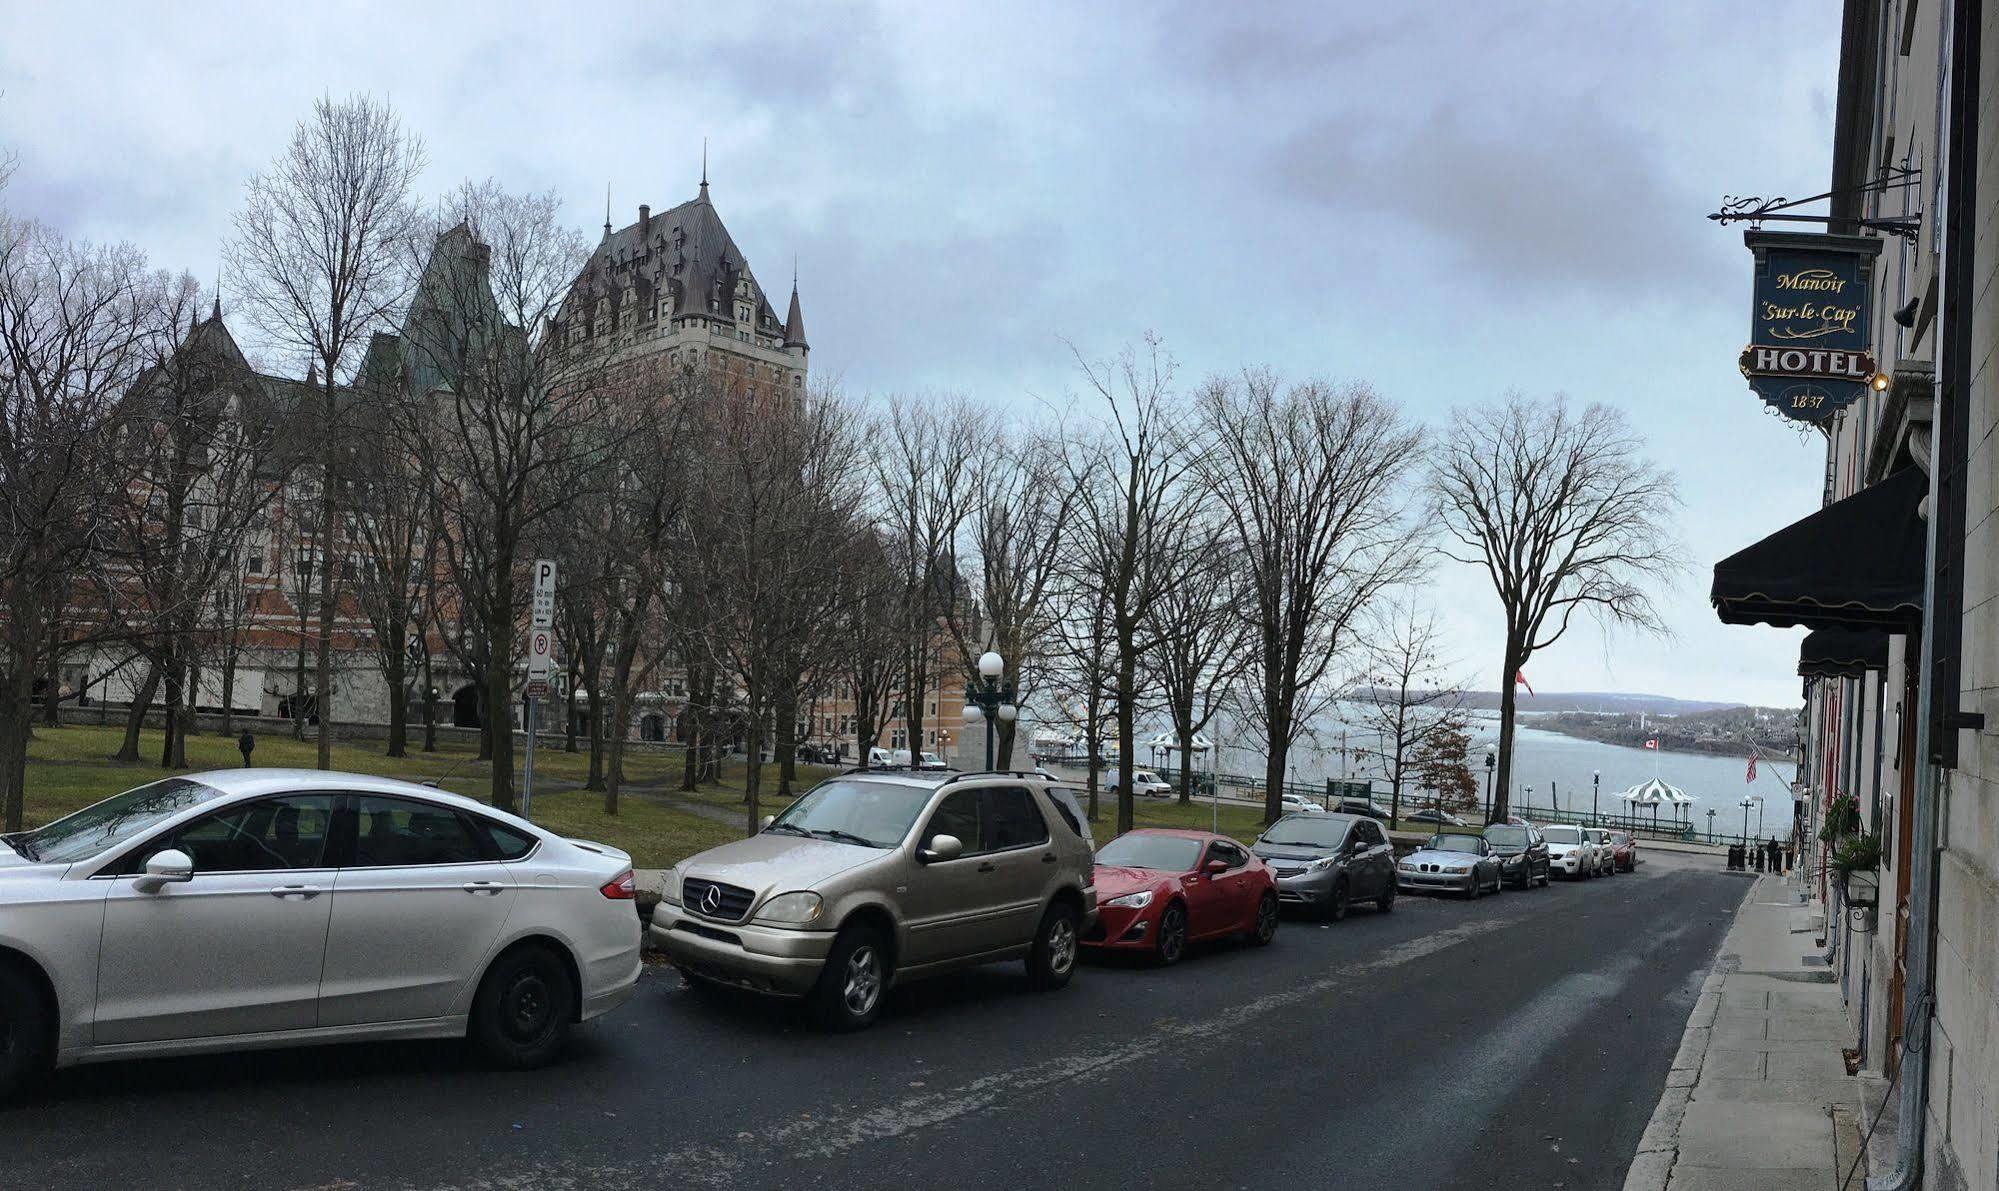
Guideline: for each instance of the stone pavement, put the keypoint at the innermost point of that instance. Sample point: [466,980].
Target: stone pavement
[1758,1097]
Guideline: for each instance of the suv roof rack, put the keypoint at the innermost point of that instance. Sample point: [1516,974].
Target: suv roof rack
[895,769]
[1028,773]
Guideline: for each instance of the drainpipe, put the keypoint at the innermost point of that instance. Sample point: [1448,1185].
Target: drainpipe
[1932,781]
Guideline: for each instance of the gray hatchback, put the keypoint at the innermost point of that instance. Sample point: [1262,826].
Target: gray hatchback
[1328,862]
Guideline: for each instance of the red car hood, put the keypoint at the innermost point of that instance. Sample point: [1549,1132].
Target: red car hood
[1113,881]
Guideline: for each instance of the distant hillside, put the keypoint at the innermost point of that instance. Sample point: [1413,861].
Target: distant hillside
[1598,701]
[1727,730]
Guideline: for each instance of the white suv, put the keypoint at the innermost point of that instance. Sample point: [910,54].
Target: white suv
[1571,851]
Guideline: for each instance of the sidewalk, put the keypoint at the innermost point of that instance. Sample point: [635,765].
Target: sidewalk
[1758,1096]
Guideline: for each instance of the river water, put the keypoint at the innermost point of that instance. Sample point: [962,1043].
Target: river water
[1545,761]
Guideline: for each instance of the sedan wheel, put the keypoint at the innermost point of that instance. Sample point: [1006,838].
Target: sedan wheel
[1172,942]
[1342,899]
[522,1010]
[25,1030]
[1266,920]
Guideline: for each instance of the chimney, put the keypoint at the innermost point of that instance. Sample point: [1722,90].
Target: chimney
[645,220]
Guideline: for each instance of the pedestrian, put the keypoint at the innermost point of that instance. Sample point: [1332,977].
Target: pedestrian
[1790,855]
[244,744]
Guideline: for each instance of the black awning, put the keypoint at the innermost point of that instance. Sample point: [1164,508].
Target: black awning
[1856,563]
[1842,653]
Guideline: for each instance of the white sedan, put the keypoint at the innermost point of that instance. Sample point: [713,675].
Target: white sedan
[1299,804]
[271,907]
[1571,851]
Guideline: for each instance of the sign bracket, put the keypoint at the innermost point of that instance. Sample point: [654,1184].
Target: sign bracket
[1755,210]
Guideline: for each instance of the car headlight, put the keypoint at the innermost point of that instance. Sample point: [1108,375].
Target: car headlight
[1322,864]
[1406,867]
[1133,901]
[791,909]
[1458,868]
[670,892]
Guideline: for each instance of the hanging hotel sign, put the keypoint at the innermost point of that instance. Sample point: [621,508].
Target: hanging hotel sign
[1808,352]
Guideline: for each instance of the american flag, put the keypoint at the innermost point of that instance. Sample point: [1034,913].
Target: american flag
[1752,771]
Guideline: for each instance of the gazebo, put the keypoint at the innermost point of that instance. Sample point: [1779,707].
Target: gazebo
[1655,794]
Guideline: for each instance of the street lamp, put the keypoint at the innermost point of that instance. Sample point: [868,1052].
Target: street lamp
[1527,800]
[1747,802]
[1490,761]
[988,698]
[1710,824]
[1595,788]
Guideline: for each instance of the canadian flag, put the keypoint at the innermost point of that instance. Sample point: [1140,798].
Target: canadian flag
[1652,743]
[1520,679]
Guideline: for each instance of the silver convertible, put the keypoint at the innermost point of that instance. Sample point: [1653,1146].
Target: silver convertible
[272,907]
[1463,863]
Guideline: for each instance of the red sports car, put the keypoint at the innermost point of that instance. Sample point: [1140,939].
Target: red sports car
[1624,852]
[1158,890]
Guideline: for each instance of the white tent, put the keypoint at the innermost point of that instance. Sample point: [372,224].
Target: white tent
[1655,794]
[1168,742]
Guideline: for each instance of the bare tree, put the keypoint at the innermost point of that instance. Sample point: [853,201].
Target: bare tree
[77,322]
[779,478]
[1565,515]
[1202,637]
[869,640]
[203,443]
[923,459]
[1409,695]
[319,257]
[1309,476]
[1133,487]
[507,427]
[1083,664]
[1023,501]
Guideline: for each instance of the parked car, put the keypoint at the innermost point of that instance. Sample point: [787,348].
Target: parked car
[870,879]
[882,759]
[1624,851]
[1327,862]
[1458,861]
[1363,808]
[276,907]
[1298,804]
[1432,815]
[1571,851]
[1144,784]
[1606,856]
[919,760]
[1162,889]
[1523,854]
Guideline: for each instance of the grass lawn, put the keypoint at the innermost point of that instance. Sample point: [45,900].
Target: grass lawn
[71,767]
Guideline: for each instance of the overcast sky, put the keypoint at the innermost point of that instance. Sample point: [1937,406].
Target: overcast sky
[1445,200]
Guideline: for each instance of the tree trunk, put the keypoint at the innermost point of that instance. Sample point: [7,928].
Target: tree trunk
[1186,734]
[429,708]
[52,689]
[787,745]
[1004,757]
[322,684]
[135,716]
[594,780]
[15,715]
[298,684]
[499,723]
[1127,715]
[753,769]
[1093,744]
[690,740]
[399,709]
[172,757]
[621,697]
[1503,781]
[229,691]
[569,709]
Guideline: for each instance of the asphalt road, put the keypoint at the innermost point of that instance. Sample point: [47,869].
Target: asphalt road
[1519,1041]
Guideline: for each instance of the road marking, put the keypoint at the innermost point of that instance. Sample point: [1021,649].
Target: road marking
[835,1133]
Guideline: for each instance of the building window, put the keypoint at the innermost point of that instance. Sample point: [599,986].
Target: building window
[255,563]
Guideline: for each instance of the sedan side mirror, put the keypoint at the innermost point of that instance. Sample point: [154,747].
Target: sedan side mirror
[942,847]
[165,868]
[1215,868]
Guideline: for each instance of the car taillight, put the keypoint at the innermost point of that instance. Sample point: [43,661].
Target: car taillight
[618,888]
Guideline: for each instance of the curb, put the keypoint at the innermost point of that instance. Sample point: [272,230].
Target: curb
[1659,1146]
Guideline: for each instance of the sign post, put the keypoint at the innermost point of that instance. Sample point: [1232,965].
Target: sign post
[541,659]
[1808,354]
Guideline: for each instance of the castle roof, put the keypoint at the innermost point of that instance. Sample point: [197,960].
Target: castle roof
[684,252]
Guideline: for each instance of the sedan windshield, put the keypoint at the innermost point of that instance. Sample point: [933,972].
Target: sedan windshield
[873,814]
[112,822]
[1562,835]
[1167,853]
[1512,837]
[1309,831]
[1454,843]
